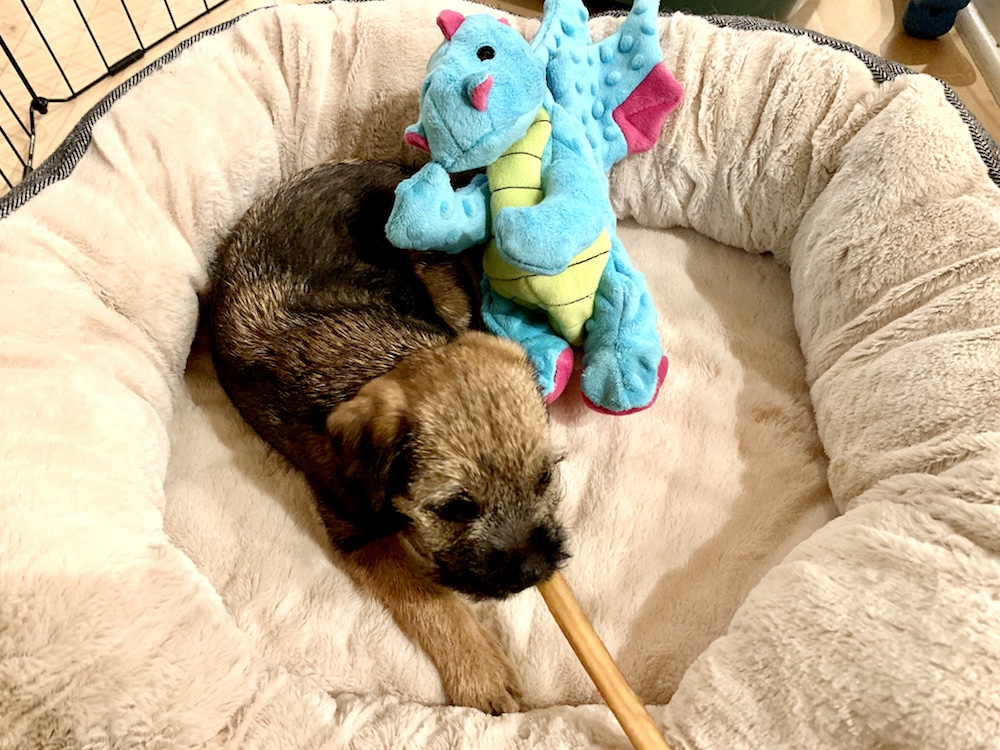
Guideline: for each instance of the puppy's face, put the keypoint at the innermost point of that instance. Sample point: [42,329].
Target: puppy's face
[460,445]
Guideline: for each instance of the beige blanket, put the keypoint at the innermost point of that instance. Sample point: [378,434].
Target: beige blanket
[163,579]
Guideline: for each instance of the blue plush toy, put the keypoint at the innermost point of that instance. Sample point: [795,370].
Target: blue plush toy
[547,120]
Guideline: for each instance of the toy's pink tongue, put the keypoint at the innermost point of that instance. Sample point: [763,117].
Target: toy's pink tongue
[641,116]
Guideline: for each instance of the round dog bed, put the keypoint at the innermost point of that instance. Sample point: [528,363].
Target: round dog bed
[796,546]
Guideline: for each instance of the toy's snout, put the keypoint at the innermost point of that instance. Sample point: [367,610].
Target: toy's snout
[478,90]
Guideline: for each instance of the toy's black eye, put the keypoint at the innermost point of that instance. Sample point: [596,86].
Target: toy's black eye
[485,53]
[460,508]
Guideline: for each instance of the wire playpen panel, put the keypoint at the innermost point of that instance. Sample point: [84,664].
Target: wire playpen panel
[55,50]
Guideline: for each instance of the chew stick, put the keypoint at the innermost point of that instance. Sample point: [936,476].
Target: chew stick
[621,699]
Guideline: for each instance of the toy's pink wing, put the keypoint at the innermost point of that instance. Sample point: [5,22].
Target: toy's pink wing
[642,114]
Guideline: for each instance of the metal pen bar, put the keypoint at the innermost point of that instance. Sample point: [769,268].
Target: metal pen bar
[29,165]
[13,112]
[12,147]
[49,48]
[115,68]
[17,68]
[185,25]
[132,24]
[40,104]
[170,13]
[91,32]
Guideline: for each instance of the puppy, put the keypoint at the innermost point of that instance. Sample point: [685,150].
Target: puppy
[426,442]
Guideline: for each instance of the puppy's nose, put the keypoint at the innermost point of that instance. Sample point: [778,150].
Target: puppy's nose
[535,568]
[536,559]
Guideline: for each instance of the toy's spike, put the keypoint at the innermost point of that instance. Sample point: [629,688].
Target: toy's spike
[564,22]
[642,21]
[617,88]
[480,93]
[642,114]
[449,21]
[642,7]
[504,21]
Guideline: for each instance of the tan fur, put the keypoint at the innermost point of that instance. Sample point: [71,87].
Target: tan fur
[446,280]
[473,668]
[442,391]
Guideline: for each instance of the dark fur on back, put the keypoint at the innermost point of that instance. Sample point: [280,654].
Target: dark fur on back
[283,348]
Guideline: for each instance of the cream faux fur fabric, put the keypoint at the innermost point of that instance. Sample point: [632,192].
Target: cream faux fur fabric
[164,581]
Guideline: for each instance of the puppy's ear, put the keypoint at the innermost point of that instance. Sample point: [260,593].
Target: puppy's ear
[368,434]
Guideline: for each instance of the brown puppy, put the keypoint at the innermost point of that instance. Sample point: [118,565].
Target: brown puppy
[426,443]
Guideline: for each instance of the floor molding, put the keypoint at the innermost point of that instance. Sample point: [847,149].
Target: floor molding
[982,46]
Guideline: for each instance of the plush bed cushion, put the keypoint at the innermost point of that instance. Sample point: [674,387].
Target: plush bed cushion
[163,579]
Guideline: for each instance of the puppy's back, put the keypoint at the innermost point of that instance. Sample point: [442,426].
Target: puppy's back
[311,302]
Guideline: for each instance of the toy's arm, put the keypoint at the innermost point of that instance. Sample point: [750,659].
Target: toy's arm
[545,237]
[429,215]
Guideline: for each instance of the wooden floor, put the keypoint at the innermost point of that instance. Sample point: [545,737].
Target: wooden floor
[872,24]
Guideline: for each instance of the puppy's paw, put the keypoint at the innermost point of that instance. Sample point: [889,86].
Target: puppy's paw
[486,680]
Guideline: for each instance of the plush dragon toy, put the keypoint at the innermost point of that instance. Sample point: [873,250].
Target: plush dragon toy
[547,120]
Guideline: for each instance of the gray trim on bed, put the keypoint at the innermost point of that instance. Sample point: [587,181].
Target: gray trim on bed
[64,159]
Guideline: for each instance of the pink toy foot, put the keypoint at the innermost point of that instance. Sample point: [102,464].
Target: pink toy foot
[564,368]
[661,373]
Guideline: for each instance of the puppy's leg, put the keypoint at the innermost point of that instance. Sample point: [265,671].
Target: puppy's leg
[449,281]
[474,670]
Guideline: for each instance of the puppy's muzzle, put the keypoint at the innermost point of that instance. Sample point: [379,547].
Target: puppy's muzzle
[487,572]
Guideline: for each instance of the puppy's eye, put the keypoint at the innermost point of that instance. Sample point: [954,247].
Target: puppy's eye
[485,53]
[547,473]
[459,509]
[544,480]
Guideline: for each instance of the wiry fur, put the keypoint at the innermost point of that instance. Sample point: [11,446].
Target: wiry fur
[425,442]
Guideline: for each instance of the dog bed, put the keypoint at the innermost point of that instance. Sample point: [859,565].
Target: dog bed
[795,547]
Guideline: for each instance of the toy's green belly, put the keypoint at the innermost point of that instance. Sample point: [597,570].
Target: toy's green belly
[515,179]
[568,297]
